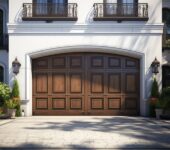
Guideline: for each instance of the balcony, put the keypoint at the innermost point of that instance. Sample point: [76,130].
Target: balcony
[120,12]
[3,41]
[49,12]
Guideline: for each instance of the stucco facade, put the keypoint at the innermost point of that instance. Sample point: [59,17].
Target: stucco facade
[33,39]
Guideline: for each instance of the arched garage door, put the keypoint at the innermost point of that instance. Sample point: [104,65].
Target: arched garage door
[86,84]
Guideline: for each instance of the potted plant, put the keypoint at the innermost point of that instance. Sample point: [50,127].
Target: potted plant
[4,93]
[165,96]
[159,107]
[15,95]
[154,91]
[11,107]
[154,97]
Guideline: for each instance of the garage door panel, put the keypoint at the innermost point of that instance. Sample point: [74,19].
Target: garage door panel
[130,103]
[96,62]
[41,103]
[76,83]
[41,63]
[76,62]
[59,62]
[131,83]
[114,103]
[96,103]
[97,83]
[114,62]
[59,83]
[76,103]
[131,63]
[41,83]
[59,103]
[114,83]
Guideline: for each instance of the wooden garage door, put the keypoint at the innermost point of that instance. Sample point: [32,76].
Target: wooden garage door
[85,84]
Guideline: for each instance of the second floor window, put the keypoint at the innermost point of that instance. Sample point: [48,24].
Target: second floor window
[121,7]
[128,7]
[50,7]
[110,7]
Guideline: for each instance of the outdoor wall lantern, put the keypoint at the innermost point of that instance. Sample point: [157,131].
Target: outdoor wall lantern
[155,66]
[16,66]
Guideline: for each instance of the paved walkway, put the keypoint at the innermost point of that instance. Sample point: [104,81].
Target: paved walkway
[85,133]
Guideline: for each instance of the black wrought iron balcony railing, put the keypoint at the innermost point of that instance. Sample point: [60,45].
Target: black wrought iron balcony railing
[120,12]
[3,41]
[49,12]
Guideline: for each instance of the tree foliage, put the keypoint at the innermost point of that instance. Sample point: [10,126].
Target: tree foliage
[4,93]
[155,89]
[15,89]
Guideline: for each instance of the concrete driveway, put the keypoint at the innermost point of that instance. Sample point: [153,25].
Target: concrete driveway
[84,133]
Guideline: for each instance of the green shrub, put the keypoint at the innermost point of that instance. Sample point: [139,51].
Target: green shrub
[15,89]
[160,104]
[15,94]
[4,93]
[11,104]
[165,95]
[1,110]
[152,110]
[18,106]
[18,110]
[154,94]
[155,89]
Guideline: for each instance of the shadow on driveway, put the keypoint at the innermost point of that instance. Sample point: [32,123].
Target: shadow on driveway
[140,133]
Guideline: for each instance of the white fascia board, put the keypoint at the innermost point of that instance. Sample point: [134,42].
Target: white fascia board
[30,28]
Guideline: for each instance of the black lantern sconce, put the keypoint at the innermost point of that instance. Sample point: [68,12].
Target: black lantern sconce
[155,66]
[16,66]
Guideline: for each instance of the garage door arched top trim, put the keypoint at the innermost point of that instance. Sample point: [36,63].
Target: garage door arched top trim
[85,48]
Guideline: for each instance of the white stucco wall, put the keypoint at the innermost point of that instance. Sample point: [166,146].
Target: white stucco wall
[34,39]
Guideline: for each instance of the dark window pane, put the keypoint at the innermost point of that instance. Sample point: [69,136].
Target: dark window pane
[166,76]
[1,74]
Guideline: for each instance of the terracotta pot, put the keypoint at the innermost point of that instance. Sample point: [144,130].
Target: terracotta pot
[12,113]
[153,100]
[159,112]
